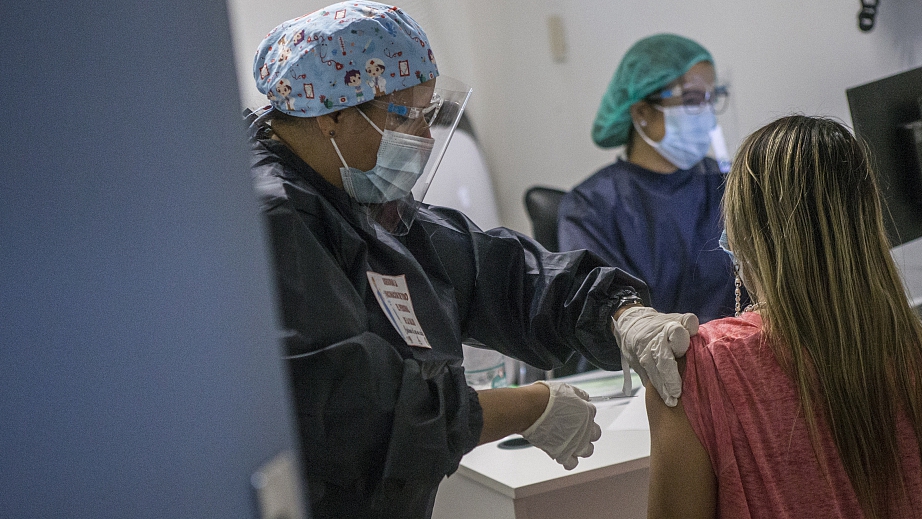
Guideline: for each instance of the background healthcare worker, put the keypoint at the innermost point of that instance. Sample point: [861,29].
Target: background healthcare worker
[377,290]
[656,213]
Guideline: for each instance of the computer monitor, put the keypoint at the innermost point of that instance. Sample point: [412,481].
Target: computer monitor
[886,113]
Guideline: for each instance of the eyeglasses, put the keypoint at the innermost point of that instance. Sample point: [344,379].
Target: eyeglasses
[400,115]
[693,100]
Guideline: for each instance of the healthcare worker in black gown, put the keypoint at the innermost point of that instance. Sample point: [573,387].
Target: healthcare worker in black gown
[656,211]
[377,290]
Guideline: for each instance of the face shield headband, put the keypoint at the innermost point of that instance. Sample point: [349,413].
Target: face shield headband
[435,120]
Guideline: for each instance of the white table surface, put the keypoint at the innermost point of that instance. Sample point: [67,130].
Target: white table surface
[519,473]
[908,258]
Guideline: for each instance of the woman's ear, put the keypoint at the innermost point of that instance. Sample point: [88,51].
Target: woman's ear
[641,113]
[328,123]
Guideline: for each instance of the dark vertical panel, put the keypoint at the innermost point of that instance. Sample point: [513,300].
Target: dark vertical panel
[139,367]
[880,111]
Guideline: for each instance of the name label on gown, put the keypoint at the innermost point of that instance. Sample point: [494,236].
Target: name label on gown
[394,298]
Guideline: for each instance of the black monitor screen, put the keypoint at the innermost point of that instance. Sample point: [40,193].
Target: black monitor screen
[886,114]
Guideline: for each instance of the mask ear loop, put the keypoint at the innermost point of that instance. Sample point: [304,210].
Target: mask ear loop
[338,153]
[335,147]
[643,135]
[373,125]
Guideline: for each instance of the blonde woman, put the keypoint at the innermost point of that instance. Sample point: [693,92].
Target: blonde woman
[809,404]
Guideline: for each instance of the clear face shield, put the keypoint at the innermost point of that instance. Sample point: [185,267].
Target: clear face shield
[418,125]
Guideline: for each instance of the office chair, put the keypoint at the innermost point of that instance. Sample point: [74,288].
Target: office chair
[541,204]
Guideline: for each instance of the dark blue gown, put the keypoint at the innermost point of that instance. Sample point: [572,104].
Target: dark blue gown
[661,228]
[380,422]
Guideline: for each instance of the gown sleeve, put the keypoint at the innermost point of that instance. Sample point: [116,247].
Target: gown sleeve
[529,303]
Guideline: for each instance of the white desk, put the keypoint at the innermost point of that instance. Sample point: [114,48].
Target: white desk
[494,483]
[908,258]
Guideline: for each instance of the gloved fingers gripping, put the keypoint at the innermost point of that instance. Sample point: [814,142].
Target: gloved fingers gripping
[570,428]
[671,384]
[640,324]
[582,394]
[569,463]
[690,323]
[670,401]
[585,452]
[676,339]
[650,342]
[663,371]
[664,390]
[590,432]
[641,372]
[564,427]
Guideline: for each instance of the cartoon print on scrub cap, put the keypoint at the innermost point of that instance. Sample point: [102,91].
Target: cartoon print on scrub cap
[302,65]
[648,66]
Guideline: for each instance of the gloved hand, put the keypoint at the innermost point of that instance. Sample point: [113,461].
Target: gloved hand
[566,428]
[650,342]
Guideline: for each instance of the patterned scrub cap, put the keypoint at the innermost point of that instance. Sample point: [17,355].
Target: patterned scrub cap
[341,56]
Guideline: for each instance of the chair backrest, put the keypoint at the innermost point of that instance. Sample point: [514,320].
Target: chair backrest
[541,204]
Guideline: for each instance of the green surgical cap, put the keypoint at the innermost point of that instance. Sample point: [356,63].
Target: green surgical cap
[651,64]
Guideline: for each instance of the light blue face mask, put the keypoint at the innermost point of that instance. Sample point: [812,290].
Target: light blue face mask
[400,162]
[687,138]
[724,243]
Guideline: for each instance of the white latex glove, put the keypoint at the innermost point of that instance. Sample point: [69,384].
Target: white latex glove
[650,342]
[566,428]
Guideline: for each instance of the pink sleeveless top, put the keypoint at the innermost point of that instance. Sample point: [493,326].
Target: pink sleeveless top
[746,413]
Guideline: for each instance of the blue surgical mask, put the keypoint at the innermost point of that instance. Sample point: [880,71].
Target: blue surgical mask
[724,243]
[688,136]
[400,162]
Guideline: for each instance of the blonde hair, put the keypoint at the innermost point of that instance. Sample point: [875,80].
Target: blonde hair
[803,216]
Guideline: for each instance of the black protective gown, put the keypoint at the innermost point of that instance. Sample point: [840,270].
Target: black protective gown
[382,422]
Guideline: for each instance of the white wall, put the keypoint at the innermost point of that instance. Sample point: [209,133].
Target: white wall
[533,115]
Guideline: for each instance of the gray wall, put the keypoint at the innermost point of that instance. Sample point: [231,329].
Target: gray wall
[139,365]
[533,115]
